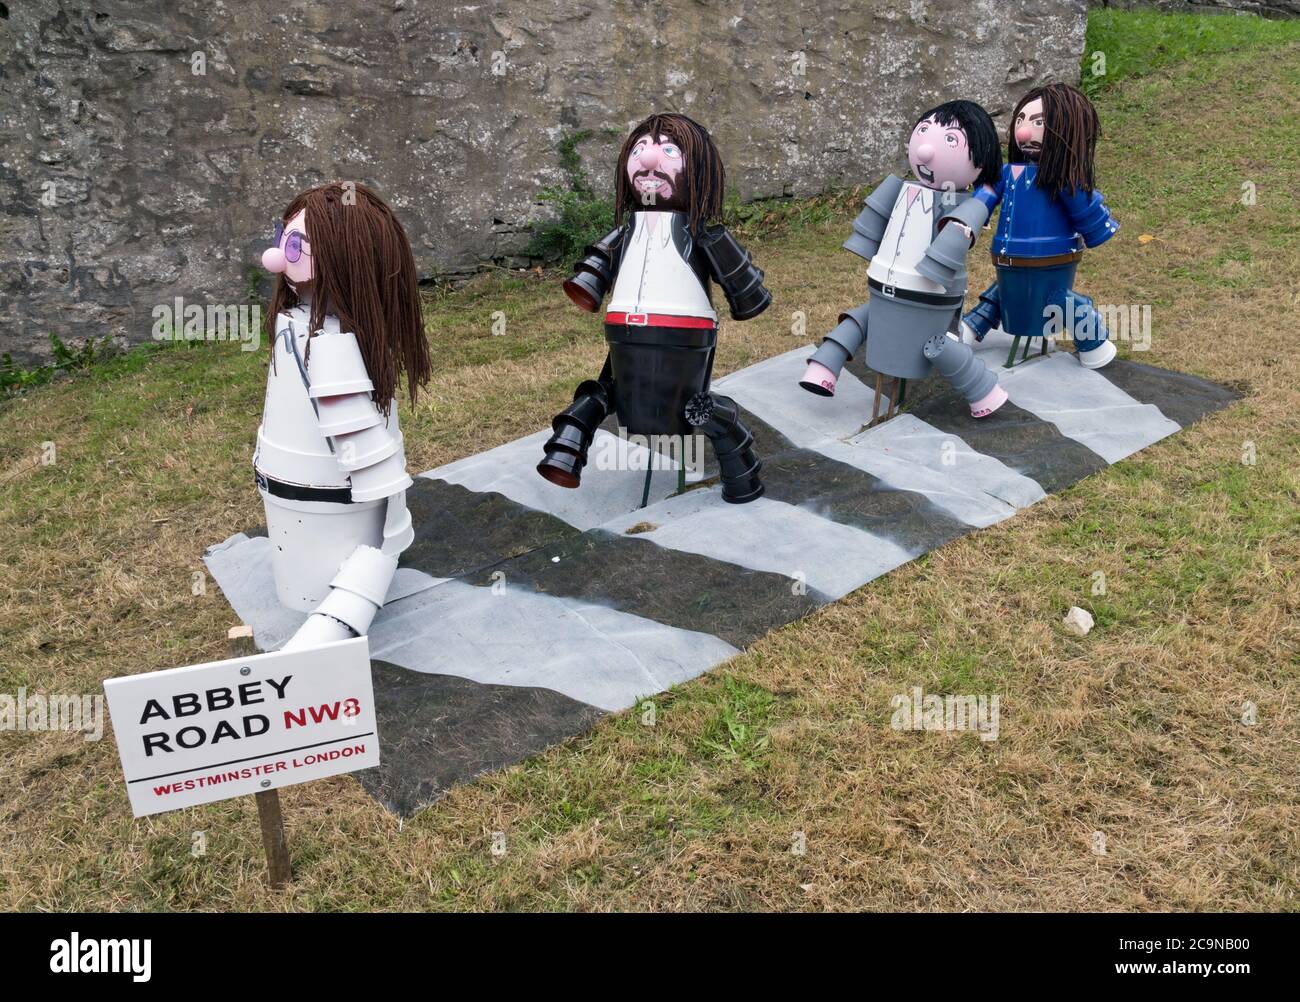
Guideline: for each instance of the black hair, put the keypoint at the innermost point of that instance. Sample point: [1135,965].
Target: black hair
[981,135]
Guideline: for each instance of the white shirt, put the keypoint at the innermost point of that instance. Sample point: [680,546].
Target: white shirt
[907,237]
[653,277]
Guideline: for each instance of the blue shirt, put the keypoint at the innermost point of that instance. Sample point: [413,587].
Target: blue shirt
[1036,224]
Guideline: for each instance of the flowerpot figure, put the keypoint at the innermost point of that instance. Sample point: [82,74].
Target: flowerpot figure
[916,235]
[1051,211]
[346,326]
[661,328]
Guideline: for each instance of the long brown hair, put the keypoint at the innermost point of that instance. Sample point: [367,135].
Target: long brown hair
[704,177]
[364,274]
[1070,135]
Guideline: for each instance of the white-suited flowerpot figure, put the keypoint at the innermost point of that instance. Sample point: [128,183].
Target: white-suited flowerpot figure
[346,327]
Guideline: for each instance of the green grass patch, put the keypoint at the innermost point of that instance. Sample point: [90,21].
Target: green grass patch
[1129,43]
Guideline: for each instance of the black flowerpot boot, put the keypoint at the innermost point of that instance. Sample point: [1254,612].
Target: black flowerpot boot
[574,428]
[718,418]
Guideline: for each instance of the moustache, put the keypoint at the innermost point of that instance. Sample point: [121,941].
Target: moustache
[652,173]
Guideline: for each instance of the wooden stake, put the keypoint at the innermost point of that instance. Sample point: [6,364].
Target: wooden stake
[240,639]
[277,852]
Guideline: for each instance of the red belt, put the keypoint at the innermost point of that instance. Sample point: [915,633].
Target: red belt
[658,320]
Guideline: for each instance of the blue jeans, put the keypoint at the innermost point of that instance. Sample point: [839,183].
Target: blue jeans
[1034,302]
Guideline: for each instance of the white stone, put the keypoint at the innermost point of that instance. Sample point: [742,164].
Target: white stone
[1078,621]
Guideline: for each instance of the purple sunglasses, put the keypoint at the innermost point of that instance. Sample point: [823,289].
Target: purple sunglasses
[293,251]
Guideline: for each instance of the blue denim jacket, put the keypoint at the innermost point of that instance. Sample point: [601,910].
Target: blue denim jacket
[1034,224]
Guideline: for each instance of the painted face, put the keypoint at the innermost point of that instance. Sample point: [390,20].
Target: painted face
[1029,128]
[655,169]
[940,156]
[291,254]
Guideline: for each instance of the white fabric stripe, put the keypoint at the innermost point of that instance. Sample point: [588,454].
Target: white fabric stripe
[511,636]
[908,439]
[612,480]
[241,566]
[767,535]
[506,636]
[771,390]
[1086,406]
[904,452]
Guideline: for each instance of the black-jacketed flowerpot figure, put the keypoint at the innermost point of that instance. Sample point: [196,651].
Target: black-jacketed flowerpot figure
[657,267]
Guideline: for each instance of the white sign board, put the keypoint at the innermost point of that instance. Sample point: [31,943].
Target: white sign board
[230,728]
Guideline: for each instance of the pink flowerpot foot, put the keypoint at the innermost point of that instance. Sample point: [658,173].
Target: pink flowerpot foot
[987,404]
[818,379]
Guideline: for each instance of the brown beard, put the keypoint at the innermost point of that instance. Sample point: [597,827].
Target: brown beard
[676,202]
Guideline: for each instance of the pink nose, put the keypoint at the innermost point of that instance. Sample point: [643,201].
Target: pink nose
[924,153]
[273,260]
[1024,135]
[649,157]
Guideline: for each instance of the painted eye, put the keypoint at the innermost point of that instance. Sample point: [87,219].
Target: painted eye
[671,151]
[950,139]
[923,128]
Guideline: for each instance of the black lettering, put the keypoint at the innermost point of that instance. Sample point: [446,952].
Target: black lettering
[186,704]
[280,686]
[152,741]
[180,737]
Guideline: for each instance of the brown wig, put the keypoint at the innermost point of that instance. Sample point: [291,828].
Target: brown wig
[702,173]
[1070,135]
[363,273]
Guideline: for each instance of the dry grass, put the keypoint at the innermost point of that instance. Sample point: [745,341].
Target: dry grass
[1134,732]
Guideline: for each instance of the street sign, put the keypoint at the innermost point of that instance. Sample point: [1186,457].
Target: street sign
[230,728]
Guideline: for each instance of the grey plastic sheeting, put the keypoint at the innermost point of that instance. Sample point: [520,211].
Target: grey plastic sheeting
[523,611]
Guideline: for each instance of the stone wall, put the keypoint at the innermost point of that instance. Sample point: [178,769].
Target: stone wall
[147,146]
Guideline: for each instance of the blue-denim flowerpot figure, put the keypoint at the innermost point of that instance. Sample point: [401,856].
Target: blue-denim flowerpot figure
[1051,211]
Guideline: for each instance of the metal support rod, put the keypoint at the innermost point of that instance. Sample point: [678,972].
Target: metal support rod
[1011,357]
[649,470]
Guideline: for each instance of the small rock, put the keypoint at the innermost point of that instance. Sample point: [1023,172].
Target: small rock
[1078,621]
